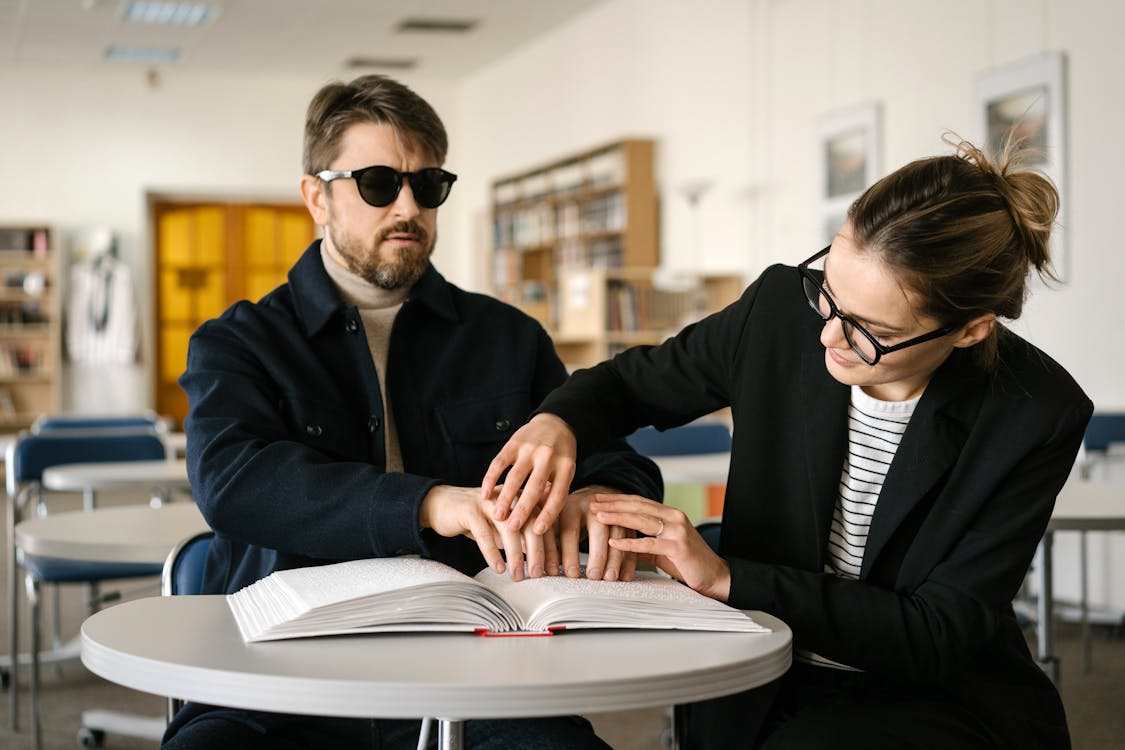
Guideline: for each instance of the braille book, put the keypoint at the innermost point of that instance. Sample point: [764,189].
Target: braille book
[410,594]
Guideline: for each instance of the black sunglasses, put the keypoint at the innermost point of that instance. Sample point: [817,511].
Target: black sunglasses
[379,185]
[869,349]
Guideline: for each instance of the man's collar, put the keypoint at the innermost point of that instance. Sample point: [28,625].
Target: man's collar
[317,301]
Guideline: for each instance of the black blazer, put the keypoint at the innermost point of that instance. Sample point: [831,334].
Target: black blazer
[964,504]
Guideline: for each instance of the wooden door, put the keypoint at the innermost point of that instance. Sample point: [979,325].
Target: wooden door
[208,256]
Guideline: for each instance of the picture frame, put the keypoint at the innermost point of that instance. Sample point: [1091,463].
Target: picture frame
[1028,98]
[850,157]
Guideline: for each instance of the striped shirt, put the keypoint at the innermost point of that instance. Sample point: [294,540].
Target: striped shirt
[874,431]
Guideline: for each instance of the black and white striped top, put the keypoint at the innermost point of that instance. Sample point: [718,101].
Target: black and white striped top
[874,431]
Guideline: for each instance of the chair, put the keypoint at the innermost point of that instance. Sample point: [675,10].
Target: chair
[183,575]
[145,420]
[28,456]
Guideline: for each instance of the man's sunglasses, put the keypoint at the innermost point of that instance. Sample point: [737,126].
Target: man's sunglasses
[379,185]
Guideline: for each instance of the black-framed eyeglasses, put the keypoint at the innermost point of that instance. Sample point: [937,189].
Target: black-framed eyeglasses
[380,185]
[862,341]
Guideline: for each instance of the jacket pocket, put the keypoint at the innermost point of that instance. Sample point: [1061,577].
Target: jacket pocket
[477,429]
[328,429]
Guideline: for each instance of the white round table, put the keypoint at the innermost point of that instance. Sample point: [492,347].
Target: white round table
[90,478]
[122,534]
[189,647]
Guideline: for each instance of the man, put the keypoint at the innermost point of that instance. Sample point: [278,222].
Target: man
[353,411]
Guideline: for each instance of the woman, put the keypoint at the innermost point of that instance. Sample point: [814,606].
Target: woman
[897,452]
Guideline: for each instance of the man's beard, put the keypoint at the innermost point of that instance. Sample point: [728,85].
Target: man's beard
[403,270]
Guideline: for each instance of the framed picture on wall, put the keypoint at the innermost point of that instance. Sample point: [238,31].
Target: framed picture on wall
[851,145]
[1027,101]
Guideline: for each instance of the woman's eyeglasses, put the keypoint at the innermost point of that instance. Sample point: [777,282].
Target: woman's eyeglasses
[862,341]
[379,186]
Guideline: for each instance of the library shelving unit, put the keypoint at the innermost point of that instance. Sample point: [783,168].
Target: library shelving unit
[30,348]
[575,245]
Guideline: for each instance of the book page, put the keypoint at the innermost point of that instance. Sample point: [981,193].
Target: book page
[651,601]
[399,593]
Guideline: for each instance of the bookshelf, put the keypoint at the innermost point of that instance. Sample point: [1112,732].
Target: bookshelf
[30,350]
[575,245]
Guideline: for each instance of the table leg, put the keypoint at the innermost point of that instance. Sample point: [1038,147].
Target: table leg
[13,616]
[1045,611]
[451,734]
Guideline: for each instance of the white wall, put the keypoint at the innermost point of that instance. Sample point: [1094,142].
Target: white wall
[732,90]
[85,147]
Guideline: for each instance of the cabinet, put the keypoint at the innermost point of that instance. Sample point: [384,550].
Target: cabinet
[30,350]
[575,245]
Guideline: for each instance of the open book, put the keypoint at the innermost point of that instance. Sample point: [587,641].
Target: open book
[412,594]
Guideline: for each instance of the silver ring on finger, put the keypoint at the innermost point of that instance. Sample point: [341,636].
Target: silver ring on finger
[660,530]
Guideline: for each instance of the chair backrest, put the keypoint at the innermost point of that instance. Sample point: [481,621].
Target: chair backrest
[710,529]
[1104,428]
[688,439]
[183,570]
[31,453]
[183,576]
[48,422]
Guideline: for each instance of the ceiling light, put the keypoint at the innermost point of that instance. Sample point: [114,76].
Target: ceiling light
[439,25]
[390,63]
[142,54]
[169,13]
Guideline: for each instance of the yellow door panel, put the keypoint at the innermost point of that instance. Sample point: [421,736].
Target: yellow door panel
[174,237]
[208,257]
[210,240]
[173,351]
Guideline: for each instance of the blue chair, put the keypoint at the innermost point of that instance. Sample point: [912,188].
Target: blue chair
[28,457]
[1104,428]
[688,439]
[182,576]
[68,421]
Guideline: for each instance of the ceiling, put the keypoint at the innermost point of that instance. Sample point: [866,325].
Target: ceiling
[309,37]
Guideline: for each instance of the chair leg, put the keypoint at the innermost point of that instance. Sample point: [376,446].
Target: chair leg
[36,638]
[1087,647]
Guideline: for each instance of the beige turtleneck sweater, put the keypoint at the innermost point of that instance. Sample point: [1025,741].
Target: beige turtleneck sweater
[377,308]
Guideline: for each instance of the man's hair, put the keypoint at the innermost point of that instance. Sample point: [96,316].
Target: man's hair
[370,98]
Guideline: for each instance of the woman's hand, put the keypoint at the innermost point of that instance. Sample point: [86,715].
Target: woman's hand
[672,543]
[542,455]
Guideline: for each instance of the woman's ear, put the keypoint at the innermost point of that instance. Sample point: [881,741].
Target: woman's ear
[976,330]
[313,193]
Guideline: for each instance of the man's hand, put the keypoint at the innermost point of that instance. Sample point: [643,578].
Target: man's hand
[542,455]
[455,511]
[603,561]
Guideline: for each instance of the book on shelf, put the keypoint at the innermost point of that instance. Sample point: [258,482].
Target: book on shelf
[408,594]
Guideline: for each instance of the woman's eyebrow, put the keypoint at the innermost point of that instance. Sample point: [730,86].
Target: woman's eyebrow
[867,322]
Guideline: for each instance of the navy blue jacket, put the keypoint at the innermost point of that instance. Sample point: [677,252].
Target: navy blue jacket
[285,441]
[965,501]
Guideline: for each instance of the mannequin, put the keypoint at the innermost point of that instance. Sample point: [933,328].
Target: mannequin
[101,315]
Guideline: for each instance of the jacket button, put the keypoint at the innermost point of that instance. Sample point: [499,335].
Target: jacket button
[373,423]
[503,425]
[314,430]
[351,325]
